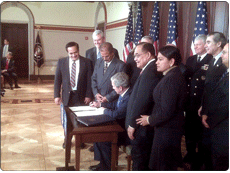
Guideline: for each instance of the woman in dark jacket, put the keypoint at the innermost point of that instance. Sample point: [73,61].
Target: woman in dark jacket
[168,113]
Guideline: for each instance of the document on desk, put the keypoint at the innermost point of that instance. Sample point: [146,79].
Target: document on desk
[82,111]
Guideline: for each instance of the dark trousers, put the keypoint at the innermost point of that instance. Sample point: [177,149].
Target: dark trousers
[193,131]
[10,77]
[141,148]
[205,154]
[102,152]
[220,146]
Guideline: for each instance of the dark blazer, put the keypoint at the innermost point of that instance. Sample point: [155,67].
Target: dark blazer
[218,103]
[92,55]
[195,77]
[132,70]
[101,82]
[11,67]
[141,99]
[168,120]
[213,75]
[169,97]
[62,80]
[119,113]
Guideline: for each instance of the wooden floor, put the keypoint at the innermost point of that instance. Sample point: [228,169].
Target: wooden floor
[32,134]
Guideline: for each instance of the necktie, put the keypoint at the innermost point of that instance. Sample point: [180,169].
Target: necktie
[105,67]
[98,55]
[119,100]
[7,64]
[198,58]
[73,74]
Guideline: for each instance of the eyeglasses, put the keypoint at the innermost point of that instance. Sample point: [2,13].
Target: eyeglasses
[138,55]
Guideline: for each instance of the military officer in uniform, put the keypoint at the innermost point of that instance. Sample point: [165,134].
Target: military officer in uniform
[197,66]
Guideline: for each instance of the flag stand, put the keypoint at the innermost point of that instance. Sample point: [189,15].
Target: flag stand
[39,80]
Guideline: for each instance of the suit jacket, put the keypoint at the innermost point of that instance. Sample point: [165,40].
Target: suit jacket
[195,77]
[92,55]
[62,80]
[11,67]
[101,82]
[132,69]
[218,103]
[169,97]
[213,75]
[141,99]
[119,113]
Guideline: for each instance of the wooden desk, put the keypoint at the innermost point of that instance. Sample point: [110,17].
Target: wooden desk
[84,134]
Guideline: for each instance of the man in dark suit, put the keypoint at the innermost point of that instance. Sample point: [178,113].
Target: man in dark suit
[8,70]
[141,103]
[217,117]
[116,110]
[73,79]
[196,73]
[93,53]
[215,43]
[104,69]
[132,69]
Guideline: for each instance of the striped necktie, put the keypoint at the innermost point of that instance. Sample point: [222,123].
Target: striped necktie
[105,67]
[73,74]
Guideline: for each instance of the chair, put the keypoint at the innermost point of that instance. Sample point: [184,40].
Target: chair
[127,149]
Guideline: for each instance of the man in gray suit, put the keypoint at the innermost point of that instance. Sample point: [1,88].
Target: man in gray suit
[93,53]
[73,78]
[104,69]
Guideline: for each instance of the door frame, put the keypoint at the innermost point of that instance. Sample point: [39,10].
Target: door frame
[31,31]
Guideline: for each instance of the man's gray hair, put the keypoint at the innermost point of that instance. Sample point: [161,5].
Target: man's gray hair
[201,37]
[97,32]
[120,79]
[147,37]
[218,37]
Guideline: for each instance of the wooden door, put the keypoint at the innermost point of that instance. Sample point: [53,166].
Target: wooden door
[17,34]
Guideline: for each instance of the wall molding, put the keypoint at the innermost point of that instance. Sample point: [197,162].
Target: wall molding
[63,28]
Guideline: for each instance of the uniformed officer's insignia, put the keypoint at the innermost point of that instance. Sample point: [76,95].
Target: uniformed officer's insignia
[203,78]
[205,67]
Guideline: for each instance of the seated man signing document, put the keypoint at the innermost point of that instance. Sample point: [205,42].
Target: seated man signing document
[116,110]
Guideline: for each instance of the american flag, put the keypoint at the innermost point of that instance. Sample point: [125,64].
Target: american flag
[128,44]
[154,27]
[201,26]
[172,24]
[139,33]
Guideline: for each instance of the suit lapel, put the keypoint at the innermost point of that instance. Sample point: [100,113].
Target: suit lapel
[82,66]
[95,54]
[108,71]
[66,69]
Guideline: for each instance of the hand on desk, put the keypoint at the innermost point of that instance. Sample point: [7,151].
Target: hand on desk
[95,104]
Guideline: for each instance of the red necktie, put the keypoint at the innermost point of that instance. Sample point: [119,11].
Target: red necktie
[7,64]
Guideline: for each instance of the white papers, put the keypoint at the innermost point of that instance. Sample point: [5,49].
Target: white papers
[82,111]
[82,108]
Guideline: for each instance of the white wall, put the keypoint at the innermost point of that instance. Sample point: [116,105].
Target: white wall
[72,14]
[116,37]
[54,42]
[63,13]
[116,11]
